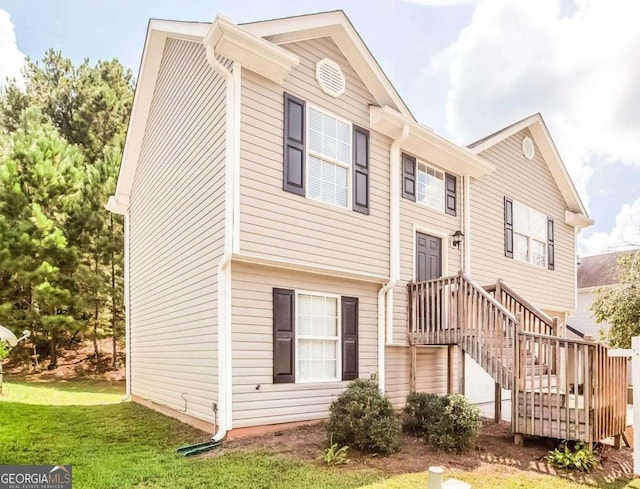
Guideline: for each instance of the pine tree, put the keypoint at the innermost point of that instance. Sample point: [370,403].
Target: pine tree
[89,107]
[41,181]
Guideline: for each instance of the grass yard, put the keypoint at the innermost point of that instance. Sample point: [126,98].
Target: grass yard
[121,445]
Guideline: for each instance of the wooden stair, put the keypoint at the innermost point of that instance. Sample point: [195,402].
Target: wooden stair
[560,388]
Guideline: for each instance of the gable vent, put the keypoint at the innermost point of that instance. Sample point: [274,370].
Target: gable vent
[330,77]
[528,148]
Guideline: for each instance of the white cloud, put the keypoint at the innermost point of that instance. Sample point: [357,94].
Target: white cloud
[11,59]
[581,71]
[625,234]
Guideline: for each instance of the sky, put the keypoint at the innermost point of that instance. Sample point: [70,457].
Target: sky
[464,67]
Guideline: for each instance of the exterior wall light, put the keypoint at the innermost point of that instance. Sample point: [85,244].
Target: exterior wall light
[456,238]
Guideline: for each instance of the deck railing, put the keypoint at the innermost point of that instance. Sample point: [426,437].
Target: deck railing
[585,400]
[561,388]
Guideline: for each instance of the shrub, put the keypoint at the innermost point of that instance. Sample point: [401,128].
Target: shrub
[420,411]
[579,458]
[363,418]
[457,426]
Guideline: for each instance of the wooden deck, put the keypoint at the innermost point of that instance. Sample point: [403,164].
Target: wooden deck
[561,388]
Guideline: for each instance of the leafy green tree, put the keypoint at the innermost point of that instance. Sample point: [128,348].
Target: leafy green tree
[619,304]
[41,181]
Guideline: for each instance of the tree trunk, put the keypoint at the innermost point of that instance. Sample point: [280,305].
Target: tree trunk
[113,295]
[54,347]
[96,316]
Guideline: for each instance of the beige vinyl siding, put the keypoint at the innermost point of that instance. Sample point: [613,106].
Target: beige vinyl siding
[531,183]
[177,231]
[415,216]
[279,225]
[256,400]
[431,371]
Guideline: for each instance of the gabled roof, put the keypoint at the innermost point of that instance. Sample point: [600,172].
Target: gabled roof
[337,25]
[577,214]
[258,41]
[599,270]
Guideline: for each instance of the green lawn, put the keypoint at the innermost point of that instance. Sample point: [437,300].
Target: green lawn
[121,445]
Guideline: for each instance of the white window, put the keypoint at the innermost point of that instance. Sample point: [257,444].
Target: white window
[329,158]
[430,187]
[318,334]
[529,235]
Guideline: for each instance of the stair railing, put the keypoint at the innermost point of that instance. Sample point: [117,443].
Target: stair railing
[534,320]
[456,310]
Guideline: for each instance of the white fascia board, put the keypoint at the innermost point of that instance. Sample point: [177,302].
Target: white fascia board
[577,220]
[504,134]
[189,31]
[145,86]
[337,26]
[426,144]
[251,51]
[556,166]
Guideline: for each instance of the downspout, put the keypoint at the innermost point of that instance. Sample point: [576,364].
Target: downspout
[122,208]
[467,224]
[225,378]
[127,310]
[386,291]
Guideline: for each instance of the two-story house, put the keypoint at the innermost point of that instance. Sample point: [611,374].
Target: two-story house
[282,209]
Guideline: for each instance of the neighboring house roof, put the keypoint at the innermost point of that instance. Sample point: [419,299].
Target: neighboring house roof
[599,270]
[577,214]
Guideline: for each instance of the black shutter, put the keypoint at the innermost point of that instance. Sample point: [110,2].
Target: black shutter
[284,315]
[450,194]
[349,338]
[408,177]
[360,170]
[508,227]
[551,263]
[294,137]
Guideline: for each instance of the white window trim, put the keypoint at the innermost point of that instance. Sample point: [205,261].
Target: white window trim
[528,261]
[328,159]
[444,186]
[338,377]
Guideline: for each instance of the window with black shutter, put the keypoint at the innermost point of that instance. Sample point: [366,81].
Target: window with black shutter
[312,335]
[294,145]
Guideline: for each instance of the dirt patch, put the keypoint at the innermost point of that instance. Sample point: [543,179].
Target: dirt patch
[76,363]
[494,452]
